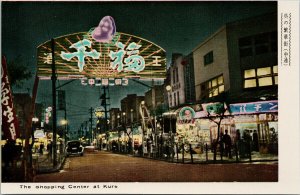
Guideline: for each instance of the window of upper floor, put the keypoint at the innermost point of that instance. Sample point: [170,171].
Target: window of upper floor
[208,58]
[212,87]
[261,77]
[258,44]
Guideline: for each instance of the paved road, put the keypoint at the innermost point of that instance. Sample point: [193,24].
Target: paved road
[108,167]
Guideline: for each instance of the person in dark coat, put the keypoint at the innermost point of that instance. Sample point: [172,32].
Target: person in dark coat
[227,143]
[49,149]
[41,148]
[255,141]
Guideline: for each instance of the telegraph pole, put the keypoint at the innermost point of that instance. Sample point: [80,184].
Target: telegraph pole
[105,104]
[53,78]
[105,109]
[91,112]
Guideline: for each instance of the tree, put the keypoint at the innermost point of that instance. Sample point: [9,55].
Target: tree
[216,112]
[18,71]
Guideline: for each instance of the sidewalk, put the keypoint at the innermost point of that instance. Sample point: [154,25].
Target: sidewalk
[44,164]
[256,157]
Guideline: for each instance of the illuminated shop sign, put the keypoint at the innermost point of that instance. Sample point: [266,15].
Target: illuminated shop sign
[48,114]
[254,107]
[186,115]
[80,56]
[104,82]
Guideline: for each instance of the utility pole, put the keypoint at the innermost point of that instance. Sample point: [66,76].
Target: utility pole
[105,104]
[53,78]
[91,119]
[66,126]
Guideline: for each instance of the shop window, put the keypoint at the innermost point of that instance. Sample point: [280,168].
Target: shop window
[208,58]
[261,77]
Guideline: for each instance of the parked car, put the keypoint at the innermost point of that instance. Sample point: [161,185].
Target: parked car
[74,148]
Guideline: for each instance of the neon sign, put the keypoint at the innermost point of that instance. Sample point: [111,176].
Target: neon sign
[81,53]
[104,82]
[79,56]
[133,62]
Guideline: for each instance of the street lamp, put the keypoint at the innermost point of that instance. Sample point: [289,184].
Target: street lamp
[63,122]
[35,119]
[131,115]
[118,118]
[132,145]
[143,124]
[169,89]
[124,118]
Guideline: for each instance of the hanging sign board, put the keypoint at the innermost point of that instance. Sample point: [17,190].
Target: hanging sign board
[254,107]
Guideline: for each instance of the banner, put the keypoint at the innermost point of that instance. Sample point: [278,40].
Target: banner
[10,125]
[254,107]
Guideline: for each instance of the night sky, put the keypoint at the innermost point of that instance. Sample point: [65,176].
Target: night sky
[178,27]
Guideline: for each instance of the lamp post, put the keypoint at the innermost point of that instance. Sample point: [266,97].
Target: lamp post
[124,118]
[143,125]
[131,116]
[169,89]
[65,123]
[118,120]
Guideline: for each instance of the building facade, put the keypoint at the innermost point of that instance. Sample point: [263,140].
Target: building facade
[114,114]
[240,58]
[130,108]
[238,65]
[154,98]
[176,96]
[189,78]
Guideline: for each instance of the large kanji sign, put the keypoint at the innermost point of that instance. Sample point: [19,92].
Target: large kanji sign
[10,125]
[80,56]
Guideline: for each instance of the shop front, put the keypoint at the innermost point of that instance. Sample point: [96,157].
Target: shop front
[258,122]
[254,122]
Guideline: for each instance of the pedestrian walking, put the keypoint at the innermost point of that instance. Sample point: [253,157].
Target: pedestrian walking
[227,143]
[41,148]
[255,141]
[49,149]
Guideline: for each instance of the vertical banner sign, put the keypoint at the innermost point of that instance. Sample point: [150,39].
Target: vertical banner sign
[10,125]
[61,100]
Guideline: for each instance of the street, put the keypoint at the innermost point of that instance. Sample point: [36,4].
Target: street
[101,166]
